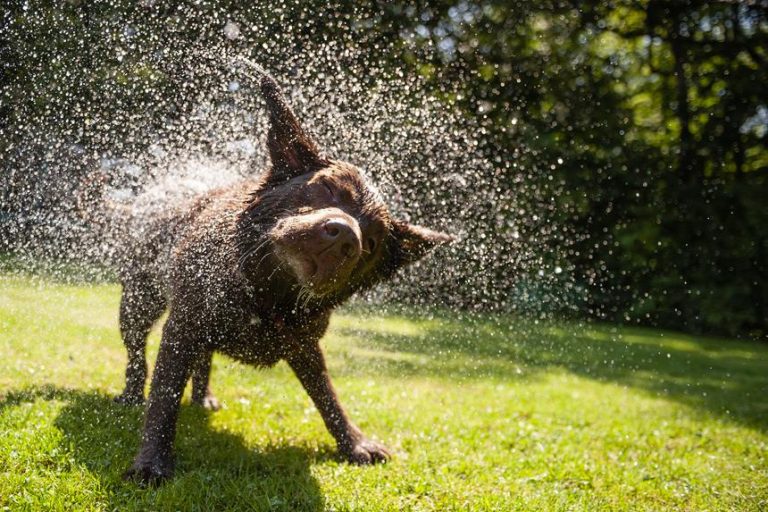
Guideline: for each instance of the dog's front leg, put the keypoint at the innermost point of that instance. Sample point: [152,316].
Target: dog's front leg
[154,462]
[309,366]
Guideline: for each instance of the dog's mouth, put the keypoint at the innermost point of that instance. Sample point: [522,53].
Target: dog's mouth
[319,250]
[304,267]
[319,279]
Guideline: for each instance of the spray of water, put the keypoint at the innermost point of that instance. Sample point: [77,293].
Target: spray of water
[164,116]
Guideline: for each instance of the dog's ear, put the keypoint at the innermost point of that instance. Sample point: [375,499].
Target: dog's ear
[292,151]
[409,243]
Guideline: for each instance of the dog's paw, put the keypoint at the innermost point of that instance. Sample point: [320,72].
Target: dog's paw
[209,402]
[368,452]
[129,399]
[149,472]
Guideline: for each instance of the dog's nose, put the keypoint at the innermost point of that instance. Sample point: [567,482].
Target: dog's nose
[343,236]
[333,228]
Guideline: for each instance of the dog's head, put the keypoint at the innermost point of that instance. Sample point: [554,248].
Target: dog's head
[332,232]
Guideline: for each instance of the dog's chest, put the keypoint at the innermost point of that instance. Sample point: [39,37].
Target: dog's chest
[258,340]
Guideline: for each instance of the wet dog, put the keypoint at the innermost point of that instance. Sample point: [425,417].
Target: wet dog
[254,271]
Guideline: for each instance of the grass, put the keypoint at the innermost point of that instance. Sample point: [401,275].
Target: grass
[482,414]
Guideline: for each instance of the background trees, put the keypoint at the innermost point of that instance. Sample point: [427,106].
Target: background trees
[642,125]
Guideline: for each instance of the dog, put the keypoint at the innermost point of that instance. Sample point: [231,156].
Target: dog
[254,271]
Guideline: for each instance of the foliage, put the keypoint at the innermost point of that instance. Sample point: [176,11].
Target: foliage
[640,127]
[652,115]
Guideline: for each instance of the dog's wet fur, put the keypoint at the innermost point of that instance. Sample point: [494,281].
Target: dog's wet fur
[254,271]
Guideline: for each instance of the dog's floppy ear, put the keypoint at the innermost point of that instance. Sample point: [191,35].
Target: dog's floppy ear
[410,243]
[292,151]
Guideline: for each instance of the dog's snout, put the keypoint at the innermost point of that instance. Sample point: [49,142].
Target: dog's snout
[347,250]
[343,236]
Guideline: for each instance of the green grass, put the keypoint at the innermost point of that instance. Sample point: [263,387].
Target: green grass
[487,414]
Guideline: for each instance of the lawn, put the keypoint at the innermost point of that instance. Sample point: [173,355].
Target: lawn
[486,413]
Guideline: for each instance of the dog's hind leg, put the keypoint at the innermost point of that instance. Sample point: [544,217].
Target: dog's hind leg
[141,304]
[201,389]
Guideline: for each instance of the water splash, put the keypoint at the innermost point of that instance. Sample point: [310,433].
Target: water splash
[151,107]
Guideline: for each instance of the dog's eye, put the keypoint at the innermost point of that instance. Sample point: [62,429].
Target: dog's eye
[371,244]
[329,189]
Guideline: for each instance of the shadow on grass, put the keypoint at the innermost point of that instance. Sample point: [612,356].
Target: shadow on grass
[215,470]
[722,377]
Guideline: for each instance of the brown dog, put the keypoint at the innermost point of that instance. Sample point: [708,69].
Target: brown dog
[254,271]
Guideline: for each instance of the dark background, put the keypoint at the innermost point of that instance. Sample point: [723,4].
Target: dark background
[654,112]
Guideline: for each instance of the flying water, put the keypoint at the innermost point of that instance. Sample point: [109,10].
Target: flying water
[169,116]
